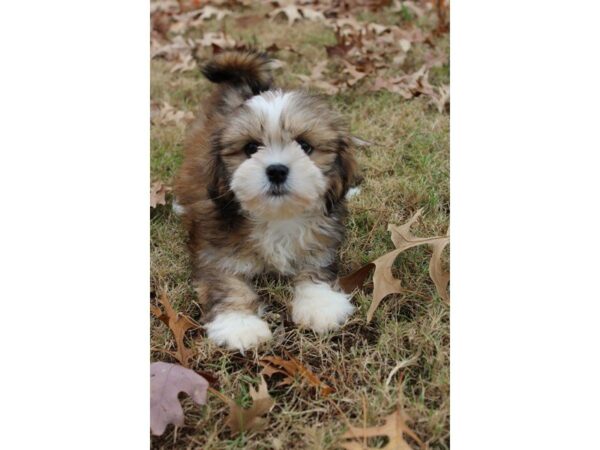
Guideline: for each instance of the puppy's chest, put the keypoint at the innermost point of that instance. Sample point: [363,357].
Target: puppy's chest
[286,246]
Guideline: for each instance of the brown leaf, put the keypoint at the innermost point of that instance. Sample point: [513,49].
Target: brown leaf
[441,98]
[179,325]
[394,428]
[249,419]
[185,63]
[166,114]
[216,38]
[355,75]
[408,86]
[290,11]
[291,368]
[315,79]
[296,13]
[158,193]
[383,279]
[166,382]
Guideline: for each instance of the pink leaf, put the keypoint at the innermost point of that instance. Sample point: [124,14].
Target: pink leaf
[166,382]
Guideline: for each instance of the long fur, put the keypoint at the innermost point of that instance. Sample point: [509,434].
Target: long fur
[239,223]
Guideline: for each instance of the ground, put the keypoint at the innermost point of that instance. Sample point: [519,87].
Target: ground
[405,348]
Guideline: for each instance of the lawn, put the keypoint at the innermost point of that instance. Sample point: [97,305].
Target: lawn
[404,350]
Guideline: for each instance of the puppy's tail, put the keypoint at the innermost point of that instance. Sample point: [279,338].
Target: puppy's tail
[241,69]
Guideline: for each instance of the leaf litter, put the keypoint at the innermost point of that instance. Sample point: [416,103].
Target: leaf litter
[384,281]
[179,324]
[371,54]
[292,368]
[394,427]
[250,419]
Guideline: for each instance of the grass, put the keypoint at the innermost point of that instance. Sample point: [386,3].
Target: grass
[406,169]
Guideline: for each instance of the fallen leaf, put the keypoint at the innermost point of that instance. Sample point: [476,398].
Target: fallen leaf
[315,79]
[216,38]
[408,86]
[208,12]
[296,13]
[291,368]
[355,75]
[394,428]
[165,114]
[179,325]
[186,63]
[441,97]
[250,419]
[158,193]
[383,280]
[291,12]
[166,382]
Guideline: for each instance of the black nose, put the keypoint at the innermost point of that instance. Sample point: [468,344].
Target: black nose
[277,173]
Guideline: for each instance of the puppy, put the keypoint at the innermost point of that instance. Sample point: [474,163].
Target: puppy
[262,189]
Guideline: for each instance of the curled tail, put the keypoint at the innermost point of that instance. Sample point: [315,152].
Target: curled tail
[241,70]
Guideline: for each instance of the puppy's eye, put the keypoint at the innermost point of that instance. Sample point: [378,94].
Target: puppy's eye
[251,148]
[305,146]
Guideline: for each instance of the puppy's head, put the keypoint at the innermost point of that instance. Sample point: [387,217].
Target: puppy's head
[283,154]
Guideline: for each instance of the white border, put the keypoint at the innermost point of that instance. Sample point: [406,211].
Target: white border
[75,255]
[525,301]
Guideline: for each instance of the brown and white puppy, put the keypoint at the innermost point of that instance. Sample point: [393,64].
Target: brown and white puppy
[262,189]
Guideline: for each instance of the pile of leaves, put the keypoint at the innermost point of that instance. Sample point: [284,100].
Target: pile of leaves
[366,55]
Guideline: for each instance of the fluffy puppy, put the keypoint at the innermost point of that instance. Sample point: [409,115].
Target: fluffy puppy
[262,189]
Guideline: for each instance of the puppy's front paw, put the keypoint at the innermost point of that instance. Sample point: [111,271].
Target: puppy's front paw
[319,307]
[238,330]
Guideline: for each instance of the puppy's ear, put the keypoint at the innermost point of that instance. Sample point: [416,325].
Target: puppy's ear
[350,172]
[218,188]
[345,175]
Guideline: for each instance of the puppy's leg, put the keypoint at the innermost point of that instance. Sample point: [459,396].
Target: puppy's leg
[318,304]
[232,319]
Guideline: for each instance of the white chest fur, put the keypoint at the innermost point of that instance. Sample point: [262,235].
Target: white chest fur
[287,245]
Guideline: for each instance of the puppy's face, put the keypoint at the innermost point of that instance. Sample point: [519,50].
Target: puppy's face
[283,154]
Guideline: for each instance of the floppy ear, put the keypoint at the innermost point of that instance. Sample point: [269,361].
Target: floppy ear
[344,175]
[350,172]
[218,187]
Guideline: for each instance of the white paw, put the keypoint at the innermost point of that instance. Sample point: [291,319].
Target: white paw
[319,307]
[238,330]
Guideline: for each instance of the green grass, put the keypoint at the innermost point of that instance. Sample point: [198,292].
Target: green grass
[406,169]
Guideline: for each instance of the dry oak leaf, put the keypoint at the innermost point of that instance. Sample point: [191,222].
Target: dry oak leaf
[166,382]
[179,325]
[291,368]
[408,86]
[296,13]
[383,279]
[158,192]
[250,419]
[315,79]
[394,428]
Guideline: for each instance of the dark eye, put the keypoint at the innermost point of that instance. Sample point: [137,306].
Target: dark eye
[251,148]
[305,146]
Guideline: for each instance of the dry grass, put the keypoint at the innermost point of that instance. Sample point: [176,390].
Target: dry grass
[406,169]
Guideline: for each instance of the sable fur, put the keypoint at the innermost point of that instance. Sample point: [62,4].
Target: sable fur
[235,233]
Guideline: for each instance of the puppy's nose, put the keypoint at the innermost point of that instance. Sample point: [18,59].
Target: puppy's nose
[277,173]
